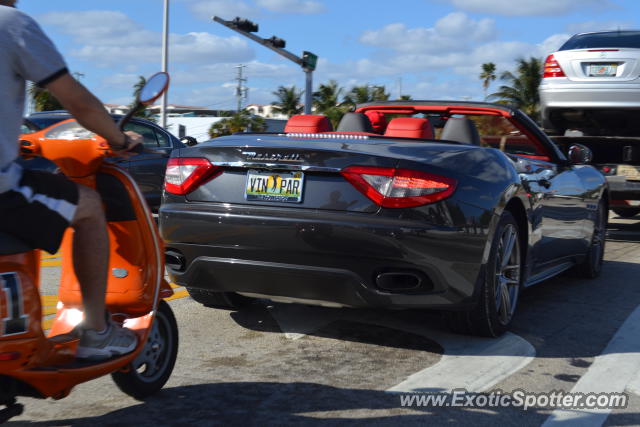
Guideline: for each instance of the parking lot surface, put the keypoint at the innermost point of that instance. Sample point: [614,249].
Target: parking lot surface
[281,364]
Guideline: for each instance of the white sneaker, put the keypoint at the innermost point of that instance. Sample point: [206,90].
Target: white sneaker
[115,341]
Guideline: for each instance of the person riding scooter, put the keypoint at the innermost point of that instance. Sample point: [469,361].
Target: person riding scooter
[37,207]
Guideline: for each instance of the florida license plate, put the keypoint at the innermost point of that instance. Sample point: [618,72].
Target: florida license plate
[603,70]
[632,173]
[274,186]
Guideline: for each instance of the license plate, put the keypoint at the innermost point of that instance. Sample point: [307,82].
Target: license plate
[274,186]
[603,70]
[632,173]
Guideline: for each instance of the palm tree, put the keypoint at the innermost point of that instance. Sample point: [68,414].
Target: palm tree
[522,91]
[366,93]
[405,98]
[238,122]
[42,99]
[487,75]
[288,101]
[325,101]
[142,111]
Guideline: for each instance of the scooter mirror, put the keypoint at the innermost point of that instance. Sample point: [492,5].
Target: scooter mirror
[155,86]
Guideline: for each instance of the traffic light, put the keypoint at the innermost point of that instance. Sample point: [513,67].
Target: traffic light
[276,42]
[245,25]
[309,60]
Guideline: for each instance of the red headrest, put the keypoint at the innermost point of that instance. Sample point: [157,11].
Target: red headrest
[308,123]
[378,120]
[410,127]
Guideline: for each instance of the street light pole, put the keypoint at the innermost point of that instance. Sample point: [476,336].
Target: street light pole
[165,61]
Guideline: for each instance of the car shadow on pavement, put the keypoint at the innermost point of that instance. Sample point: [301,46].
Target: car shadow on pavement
[564,317]
[271,403]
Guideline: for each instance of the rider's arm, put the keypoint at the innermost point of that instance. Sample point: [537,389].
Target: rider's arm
[86,108]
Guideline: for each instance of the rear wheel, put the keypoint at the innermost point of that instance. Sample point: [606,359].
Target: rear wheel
[499,292]
[591,266]
[626,212]
[228,300]
[153,366]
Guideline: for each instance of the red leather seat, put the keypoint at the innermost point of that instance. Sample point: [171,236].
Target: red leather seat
[308,123]
[410,127]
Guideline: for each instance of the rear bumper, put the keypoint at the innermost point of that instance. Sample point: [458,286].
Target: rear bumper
[622,189]
[586,96]
[323,258]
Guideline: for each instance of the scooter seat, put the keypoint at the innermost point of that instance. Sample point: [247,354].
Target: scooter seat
[10,245]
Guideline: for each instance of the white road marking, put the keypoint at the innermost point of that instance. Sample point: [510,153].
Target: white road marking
[475,364]
[611,372]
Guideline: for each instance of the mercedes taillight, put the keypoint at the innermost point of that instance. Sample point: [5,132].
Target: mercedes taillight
[399,188]
[185,174]
[552,68]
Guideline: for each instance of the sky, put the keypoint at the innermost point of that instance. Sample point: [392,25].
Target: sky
[429,49]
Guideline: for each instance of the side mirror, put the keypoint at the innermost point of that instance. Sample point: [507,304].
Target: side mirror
[579,154]
[153,89]
[189,141]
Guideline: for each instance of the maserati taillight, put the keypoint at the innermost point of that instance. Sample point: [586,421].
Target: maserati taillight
[552,68]
[399,188]
[184,175]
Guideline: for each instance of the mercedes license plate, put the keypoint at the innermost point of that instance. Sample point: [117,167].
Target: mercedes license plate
[274,186]
[603,70]
[632,173]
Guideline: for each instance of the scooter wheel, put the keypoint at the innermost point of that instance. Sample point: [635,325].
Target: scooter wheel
[149,372]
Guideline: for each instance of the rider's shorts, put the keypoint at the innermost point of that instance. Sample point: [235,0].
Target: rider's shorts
[39,209]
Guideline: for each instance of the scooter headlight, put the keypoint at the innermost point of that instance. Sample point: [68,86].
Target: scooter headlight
[70,130]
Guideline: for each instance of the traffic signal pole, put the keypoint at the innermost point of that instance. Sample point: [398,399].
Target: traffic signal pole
[307,61]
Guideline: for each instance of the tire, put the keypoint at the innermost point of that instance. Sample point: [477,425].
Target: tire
[493,313]
[149,372]
[226,300]
[591,266]
[626,212]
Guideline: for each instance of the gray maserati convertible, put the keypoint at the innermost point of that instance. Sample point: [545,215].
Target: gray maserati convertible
[455,206]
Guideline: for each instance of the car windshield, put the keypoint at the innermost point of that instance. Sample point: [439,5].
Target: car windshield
[617,39]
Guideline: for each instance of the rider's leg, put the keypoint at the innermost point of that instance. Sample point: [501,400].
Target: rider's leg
[91,256]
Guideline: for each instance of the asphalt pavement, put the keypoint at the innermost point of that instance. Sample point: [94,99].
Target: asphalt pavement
[282,364]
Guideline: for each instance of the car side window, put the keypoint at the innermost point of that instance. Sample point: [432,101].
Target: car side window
[147,132]
[163,139]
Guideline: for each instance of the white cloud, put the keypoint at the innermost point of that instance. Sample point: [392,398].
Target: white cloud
[307,7]
[529,7]
[226,9]
[451,32]
[109,38]
[214,73]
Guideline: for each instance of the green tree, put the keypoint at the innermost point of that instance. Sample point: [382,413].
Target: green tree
[288,102]
[238,122]
[522,90]
[42,99]
[366,93]
[142,112]
[326,102]
[405,98]
[487,75]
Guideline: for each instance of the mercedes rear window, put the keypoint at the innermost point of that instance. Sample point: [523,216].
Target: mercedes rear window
[618,39]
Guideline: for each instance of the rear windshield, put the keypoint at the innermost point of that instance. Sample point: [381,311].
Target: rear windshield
[619,39]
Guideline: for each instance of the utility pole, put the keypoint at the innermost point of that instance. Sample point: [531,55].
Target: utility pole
[165,61]
[241,89]
[307,61]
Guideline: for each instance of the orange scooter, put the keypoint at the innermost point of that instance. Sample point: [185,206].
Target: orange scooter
[38,365]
